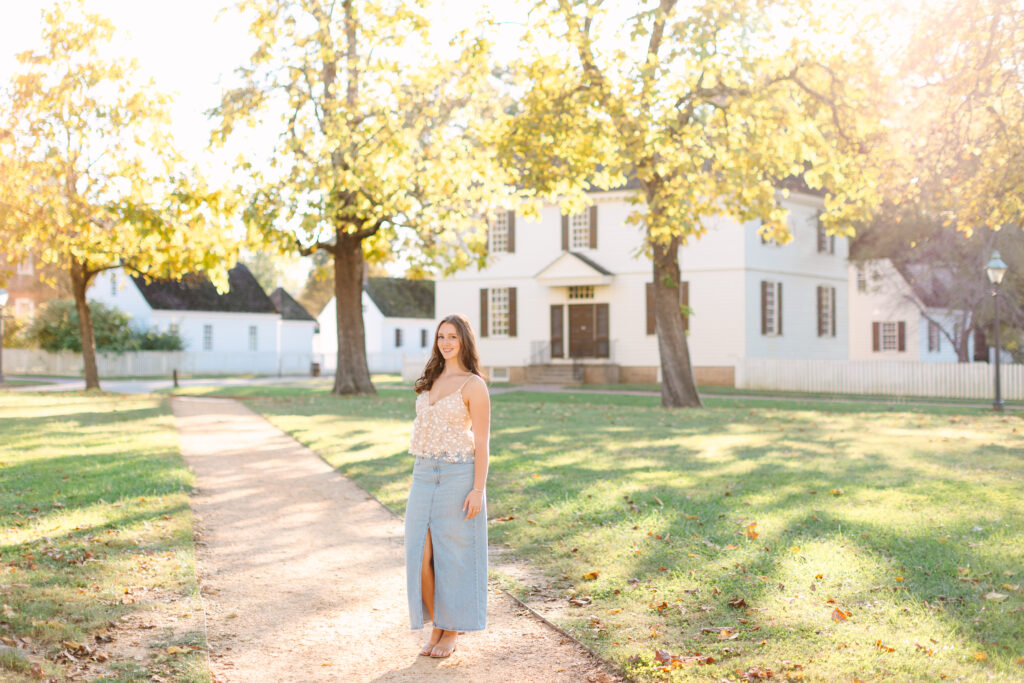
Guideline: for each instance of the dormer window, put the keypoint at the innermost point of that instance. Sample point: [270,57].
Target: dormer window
[826,242]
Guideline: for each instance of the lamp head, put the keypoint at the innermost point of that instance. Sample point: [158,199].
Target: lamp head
[995,269]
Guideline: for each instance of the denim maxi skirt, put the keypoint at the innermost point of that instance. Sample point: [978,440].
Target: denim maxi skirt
[460,546]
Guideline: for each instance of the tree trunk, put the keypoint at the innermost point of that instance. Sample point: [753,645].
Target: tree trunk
[80,279]
[678,389]
[353,374]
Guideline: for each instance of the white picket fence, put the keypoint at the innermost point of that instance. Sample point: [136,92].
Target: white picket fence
[156,363]
[888,378]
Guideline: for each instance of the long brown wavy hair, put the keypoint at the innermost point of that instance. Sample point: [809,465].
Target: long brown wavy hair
[467,353]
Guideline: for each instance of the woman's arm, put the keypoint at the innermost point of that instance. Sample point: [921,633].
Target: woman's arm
[479,402]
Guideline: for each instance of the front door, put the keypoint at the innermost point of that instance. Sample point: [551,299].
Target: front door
[588,331]
[581,330]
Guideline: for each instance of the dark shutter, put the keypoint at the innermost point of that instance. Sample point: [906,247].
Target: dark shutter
[593,226]
[423,339]
[684,299]
[557,336]
[565,233]
[831,244]
[876,336]
[650,308]
[602,346]
[511,232]
[764,307]
[778,309]
[821,310]
[511,311]
[483,312]
[398,337]
[834,313]
[902,339]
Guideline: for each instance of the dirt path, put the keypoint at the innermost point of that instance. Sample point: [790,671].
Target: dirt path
[303,573]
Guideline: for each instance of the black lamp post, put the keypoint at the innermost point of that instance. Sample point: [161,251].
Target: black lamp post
[996,270]
[3,304]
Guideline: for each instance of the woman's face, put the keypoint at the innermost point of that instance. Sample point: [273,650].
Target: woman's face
[448,341]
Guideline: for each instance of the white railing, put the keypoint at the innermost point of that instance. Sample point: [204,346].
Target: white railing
[888,378]
[156,363]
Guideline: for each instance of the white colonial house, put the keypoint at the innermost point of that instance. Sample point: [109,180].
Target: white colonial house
[893,317]
[240,331]
[569,296]
[398,319]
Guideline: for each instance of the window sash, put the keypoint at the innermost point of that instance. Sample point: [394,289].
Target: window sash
[253,337]
[889,336]
[579,230]
[207,337]
[498,311]
[498,234]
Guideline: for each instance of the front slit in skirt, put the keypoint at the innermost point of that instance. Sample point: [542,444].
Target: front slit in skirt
[460,546]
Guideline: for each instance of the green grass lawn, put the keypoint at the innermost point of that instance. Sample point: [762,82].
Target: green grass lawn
[94,525]
[837,541]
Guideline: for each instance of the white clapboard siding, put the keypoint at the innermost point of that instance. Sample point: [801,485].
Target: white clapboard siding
[882,377]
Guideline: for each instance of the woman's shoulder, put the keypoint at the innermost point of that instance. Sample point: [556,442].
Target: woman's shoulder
[475,384]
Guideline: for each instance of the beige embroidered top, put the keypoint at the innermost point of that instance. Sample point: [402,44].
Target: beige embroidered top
[443,430]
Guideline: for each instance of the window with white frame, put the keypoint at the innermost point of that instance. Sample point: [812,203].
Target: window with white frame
[497,236]
[862,278]
[24,309]
[579,230]
[207,337]
[581,292]
[498,311]
[253,338]
[771,308]
[934,337]
[890,336]
[826,311]
[26,267]
[826,242]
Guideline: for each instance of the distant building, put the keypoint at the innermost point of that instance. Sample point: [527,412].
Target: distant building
[562,295]
[899,318]
[398,319]
[27,292]
[241,330]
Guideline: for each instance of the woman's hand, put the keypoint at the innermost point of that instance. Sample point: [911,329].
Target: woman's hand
[473,504]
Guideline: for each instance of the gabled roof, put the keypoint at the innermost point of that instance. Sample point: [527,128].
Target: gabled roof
[289,308]
[573,268]
[397,297]
[932,285]
[195,292]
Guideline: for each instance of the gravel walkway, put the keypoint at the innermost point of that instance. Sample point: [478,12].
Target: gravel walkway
[303,576]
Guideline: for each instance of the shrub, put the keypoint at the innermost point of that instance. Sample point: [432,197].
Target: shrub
[56,329]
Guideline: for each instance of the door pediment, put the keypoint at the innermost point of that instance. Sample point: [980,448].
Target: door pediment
[571,269]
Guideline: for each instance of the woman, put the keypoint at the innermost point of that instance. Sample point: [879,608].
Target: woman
[446,516]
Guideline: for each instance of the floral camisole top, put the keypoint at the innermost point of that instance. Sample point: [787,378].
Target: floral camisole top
[443,430]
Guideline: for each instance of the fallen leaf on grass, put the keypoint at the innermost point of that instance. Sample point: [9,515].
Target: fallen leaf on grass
[756,672]
[580,600]
[926,650]
[1011,586]
[751,533]
[881,646]
[613,611]
[840,615]
[728,634]
[506,518]
[175,650]
[738,603]
[836,492]
[980,656]
[992,595]
[590,576]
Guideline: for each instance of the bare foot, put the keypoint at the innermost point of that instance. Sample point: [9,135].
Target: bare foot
[446,645]
[434,637]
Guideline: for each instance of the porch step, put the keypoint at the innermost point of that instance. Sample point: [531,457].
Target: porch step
[551,374]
